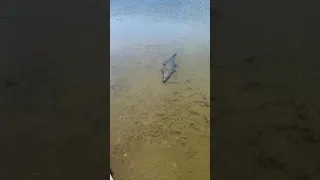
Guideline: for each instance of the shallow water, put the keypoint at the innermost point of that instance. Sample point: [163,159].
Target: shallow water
[159,131]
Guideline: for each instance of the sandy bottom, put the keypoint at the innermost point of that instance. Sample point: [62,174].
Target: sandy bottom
[161,131]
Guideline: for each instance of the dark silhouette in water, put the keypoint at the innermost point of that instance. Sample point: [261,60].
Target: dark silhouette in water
[169,67]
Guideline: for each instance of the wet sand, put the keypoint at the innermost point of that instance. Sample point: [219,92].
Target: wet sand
[53,90]
[265,76]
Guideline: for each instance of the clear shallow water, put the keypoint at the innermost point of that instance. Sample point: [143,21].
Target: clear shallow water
[159,131]
[171,22]
[143,30]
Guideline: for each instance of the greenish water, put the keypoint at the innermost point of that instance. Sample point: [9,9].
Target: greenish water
[159,131]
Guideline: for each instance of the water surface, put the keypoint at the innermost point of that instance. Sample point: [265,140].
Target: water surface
[160,131]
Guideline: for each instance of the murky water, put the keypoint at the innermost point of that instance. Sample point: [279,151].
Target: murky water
[159,131]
